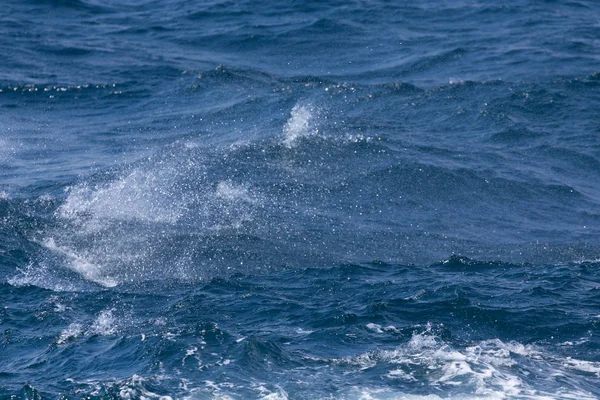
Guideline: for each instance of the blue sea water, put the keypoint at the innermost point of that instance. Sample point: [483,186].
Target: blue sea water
[299,199]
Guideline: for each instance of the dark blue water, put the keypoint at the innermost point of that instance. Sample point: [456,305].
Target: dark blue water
[304,200]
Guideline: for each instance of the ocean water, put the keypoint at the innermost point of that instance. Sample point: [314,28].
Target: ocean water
[299,199]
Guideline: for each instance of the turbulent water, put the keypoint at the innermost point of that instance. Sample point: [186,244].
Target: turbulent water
[299,200]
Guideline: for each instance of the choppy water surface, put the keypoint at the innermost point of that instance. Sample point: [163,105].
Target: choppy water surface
[348,200]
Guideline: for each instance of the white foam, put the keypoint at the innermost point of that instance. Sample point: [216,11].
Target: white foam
[105,324]
[300,124]
[455,81]
[134,388]
[584,366]
[269,394]
[360,393]
[191,352]
[483,371]
[374,327]
[216,391]
[45,198]
[72,331]
[583,260]
[402,375]
[58,307]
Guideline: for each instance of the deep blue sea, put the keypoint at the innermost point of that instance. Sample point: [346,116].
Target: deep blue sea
[359,199]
